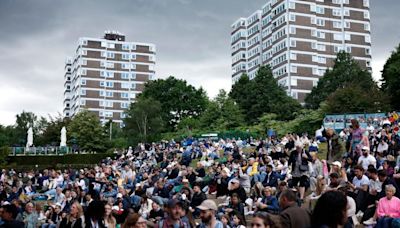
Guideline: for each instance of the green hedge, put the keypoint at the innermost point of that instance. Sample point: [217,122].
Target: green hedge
[53,160]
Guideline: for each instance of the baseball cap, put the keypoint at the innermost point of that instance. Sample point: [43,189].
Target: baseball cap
[119,195]
[208,205]
[185,181]
[337,163]
[365,148]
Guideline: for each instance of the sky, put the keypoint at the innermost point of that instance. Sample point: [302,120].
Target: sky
[192,38]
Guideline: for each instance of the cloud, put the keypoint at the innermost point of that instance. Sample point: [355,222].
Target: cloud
[192,39]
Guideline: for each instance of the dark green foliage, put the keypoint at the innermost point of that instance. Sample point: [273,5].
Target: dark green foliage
[144,120]
[391,79]
[52,160]
[86,131]
[345,71]
[263,95]
[222,113]
[355,99]
[178,99]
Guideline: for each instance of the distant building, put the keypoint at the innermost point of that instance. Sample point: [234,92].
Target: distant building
[300,39]
[106,75]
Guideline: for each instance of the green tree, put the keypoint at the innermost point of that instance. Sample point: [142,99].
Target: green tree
[391,78]
[263,95]
[115,135]
[51,134]
[86,131]
[24,121]
[178,99]
[143,121]
[345,71]
[354,98]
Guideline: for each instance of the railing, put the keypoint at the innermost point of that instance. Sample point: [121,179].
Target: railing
[48,150]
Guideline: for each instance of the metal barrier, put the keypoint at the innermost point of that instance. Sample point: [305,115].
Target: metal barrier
[49,150]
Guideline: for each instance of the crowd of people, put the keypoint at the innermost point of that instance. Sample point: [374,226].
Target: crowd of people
[272,182]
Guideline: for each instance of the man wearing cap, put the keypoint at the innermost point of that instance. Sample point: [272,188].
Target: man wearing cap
[366,159]
[234,187]
[208,208]
[175,209]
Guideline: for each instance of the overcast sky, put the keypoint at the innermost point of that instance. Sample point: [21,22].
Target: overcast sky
[192,39]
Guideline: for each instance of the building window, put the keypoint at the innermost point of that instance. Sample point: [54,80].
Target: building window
[366,27]
[133,95]
[133,56]
[125,47]
[125,75]
[293,82]
[124,105]
[293,69]
[133,76]
[106,104]
[292,43]
[292,5]
[320,10]
[124,65]
[109,94]
[125,85]
[292,30]
[368,63]
[346,12]
[107,84]
[110,55]
[83,82]
[125,56]
[83,102]
[321,47]
[368,39]
[320,22]
[366,3]
[367,51]
[83,92]
[124,95]
[293,56]
[133,66]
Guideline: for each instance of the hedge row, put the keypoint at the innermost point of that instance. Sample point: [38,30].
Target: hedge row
[53,160]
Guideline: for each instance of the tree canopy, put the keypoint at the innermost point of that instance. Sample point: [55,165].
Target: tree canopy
[222,113]
[263,95]
[344,72]
[391,78]
[178,99]
[86,131]
[143,121]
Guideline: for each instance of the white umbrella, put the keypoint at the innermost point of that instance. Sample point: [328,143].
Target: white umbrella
[63,137]
[29,141]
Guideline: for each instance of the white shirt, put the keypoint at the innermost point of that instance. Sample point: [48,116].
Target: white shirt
[366,161]
[363,181]
[351,206]
[382,147]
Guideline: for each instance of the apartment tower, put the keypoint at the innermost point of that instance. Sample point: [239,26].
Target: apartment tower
[299,40]
[106,75]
